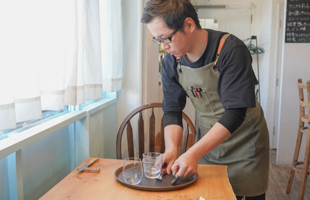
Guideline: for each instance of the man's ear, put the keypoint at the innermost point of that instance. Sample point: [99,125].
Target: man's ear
[189,25]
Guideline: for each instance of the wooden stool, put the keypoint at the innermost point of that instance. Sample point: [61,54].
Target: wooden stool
[302,129]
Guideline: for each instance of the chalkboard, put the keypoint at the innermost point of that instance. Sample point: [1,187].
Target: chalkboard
[297,21]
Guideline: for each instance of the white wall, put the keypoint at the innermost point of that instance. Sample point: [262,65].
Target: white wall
[130,96]
[45,163]
[262,28]
[295,65]
[4,182]
[103,132]
[271,89]
[141,75]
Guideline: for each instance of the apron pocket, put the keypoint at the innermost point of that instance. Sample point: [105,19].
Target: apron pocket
[201,101]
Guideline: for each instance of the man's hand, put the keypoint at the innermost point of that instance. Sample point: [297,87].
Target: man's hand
[185,166]
[168,160]
[172,136]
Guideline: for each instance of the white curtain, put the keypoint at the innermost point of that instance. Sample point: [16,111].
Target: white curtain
[52,54]
[112,44]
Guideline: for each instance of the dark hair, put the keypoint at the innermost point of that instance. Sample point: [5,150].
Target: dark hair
[173,12]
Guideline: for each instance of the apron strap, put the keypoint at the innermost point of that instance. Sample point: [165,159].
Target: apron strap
[222,41]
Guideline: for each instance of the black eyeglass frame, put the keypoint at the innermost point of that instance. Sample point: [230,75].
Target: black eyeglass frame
[165,40]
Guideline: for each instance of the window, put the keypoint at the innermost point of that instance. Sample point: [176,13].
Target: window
[55,54]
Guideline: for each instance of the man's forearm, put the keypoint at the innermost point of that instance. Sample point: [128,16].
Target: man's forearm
[172,136]
[217,134]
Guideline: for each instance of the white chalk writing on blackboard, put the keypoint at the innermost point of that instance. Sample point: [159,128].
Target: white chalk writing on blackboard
[297,21]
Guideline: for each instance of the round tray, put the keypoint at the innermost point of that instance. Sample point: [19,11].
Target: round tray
[157,185]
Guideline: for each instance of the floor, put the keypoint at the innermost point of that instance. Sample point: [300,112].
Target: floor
[278,179]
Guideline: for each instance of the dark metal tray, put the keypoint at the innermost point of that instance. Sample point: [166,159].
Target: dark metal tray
[157,185]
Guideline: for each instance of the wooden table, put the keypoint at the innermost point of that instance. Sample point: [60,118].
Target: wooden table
[212,184]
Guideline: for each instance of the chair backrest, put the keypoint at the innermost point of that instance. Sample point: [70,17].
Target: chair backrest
[303,102]
[151,133]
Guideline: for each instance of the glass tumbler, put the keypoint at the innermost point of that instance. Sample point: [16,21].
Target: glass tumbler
[152,163]
[132,170]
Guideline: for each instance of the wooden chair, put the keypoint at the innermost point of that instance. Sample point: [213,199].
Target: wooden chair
[302,129]
[152,137]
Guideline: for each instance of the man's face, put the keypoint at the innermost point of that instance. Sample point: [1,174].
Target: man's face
[177,46]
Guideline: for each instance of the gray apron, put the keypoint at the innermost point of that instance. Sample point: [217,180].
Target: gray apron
[246,151]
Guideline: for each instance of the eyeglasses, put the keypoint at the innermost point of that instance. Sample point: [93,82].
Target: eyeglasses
[165,40]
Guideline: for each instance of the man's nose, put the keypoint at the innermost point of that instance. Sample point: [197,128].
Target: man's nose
[165,46]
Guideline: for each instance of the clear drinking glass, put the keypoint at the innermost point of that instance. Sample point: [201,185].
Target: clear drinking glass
[132,170]
[152,163]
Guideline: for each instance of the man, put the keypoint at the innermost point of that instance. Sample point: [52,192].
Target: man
[214,70]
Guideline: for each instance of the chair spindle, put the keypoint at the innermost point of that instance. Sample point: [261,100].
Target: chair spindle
[162,135]
[184,139]
[152,132]
[141,134]
[130,140]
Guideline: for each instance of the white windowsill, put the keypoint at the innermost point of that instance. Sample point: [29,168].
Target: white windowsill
[20,140]
[99,105]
